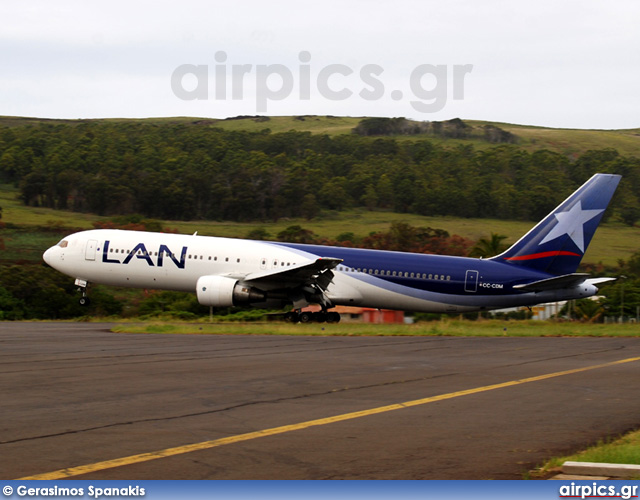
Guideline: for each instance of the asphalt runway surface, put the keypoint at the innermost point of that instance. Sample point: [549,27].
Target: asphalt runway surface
[81,402]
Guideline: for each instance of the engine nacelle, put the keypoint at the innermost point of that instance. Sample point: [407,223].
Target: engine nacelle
[220,291]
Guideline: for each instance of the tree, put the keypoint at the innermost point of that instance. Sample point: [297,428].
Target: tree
[10,307]
[369,198]
[333,195]
[259,233]
[622,298]
[384,190]
[296,234]
[589,310]
[310,208]
[488,247]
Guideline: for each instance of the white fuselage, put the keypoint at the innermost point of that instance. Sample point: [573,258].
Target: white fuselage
[177,262]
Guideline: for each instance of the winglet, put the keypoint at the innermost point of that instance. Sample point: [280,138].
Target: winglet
[557,244]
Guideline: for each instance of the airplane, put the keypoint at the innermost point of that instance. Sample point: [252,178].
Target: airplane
[223,272]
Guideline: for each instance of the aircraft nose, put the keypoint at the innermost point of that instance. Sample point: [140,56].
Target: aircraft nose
[47,256]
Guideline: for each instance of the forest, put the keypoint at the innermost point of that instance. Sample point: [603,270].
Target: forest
[195,171]
[137,170]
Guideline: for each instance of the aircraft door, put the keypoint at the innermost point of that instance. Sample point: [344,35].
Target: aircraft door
[90,251]
[471,281]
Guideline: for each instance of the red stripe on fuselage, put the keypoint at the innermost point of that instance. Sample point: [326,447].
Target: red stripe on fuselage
[542,255]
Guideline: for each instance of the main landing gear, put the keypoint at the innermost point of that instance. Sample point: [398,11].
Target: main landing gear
[312,317]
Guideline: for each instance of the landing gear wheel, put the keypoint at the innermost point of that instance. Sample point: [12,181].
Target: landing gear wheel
[306,317]
[82,288]
[292,317]
[333,317]
[319,317]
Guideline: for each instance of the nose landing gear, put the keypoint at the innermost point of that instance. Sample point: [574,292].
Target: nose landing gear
[82,287]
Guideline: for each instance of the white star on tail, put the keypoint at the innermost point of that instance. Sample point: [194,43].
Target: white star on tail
[571,223]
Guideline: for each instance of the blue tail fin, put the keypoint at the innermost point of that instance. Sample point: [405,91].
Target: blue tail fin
[557,244]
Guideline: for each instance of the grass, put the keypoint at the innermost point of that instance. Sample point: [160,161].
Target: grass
[571,142]
[622,450]
[444,327]
[13,211]
[330,125]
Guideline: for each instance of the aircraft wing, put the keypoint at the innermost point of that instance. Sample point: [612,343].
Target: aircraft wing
[559,282]
[317,272]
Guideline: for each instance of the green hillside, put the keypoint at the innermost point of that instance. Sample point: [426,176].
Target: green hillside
[188,168]
[571,142]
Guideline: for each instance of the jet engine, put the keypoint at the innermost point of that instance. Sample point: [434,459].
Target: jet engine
[220,291]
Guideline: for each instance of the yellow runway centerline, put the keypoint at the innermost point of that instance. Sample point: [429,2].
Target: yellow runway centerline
[205,445]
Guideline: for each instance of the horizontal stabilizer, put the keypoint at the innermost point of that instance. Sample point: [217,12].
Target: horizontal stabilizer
[555,283]
[597,281]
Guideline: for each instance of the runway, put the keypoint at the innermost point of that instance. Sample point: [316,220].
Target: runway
[81,402]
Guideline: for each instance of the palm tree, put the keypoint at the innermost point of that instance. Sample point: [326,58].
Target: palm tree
[588,310]
[489,247]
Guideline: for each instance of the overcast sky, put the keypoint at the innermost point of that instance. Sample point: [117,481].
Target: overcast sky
[554,63]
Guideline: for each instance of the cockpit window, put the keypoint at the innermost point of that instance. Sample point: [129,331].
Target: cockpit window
[63,244]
